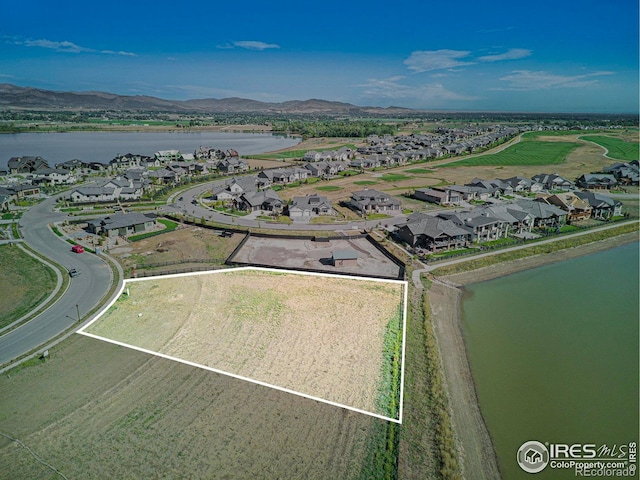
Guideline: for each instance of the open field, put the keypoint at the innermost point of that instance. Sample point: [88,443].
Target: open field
[616,147]
[181,245]
[24,282]
[529,151]
[96,410]
[317,335]
[305,253]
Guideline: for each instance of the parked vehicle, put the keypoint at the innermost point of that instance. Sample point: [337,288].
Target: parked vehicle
[77,249]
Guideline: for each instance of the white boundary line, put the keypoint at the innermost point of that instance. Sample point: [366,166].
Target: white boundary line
[250,380]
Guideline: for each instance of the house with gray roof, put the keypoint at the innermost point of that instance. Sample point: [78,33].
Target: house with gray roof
[370,201]
[265,200]
[122,225]
[310,206]
[553,181]
[545,215]
[434,233]
[627,173]
[597,181]
[438,195]
[602,206]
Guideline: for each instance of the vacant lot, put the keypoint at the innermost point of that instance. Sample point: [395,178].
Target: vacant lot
[321,336]
[292,253]
[96,410]
[183,245]
[24,283]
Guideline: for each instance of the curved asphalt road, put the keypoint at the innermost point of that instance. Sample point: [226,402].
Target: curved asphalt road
[85,290]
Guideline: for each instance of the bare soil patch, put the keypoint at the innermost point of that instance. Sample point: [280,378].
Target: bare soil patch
[182,245]
[321,336]
[291,253]
[96,410]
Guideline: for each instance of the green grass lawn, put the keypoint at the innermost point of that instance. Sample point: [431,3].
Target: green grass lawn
[328,188]
[365,182]
[529,151]
[418,170]
[394,177]
[616,148]
[169,224]
[24,282]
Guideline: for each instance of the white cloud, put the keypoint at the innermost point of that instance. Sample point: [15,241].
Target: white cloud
[67,47]
[391,88]
[426,60]
[527,80]
[511,54]
[253,45]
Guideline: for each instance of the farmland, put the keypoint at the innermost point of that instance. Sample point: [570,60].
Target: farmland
[317,335]
[97,410]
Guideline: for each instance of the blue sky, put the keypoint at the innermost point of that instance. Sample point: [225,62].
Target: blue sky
[544,56]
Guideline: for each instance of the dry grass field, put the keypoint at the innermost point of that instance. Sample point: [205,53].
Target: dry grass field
[317,335]
[183,244]
[95,410]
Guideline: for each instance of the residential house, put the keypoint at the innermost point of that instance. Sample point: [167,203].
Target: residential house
[26,164]
[627,173]
[265,200]
[73,166]
[523,184]
[311,156]
[597,181]
[232,166]
[122,225]
[370,201]
[554,182]
[128,160]
[545,215]
[310,206]
[495,187]
[235,188]
[576,208]
[438,195]
[434,234]
[602,206]
[167,156]
[484,226]
[53,176]
[164,176]
[517,220]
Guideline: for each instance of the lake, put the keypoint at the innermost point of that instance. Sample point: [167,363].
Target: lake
[104,146]
[554,353]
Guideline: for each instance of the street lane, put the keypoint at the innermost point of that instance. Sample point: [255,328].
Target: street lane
[85,290]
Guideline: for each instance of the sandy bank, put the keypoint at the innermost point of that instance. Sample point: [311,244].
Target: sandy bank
[477,453]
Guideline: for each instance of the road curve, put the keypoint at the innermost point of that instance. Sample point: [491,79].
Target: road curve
[84,293]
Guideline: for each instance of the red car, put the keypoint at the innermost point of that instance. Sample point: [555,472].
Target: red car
[77,249]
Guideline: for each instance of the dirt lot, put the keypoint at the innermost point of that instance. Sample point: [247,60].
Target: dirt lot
[286,253]
[96,410]
[183,244]
[321,336]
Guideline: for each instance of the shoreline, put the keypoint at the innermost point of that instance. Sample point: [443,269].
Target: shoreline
[477,452]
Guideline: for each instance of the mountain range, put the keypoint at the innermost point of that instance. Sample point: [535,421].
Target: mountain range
[15,97]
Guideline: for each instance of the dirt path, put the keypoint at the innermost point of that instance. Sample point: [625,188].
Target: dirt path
[478,457]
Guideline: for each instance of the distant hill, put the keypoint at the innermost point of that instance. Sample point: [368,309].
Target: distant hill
[14,97]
